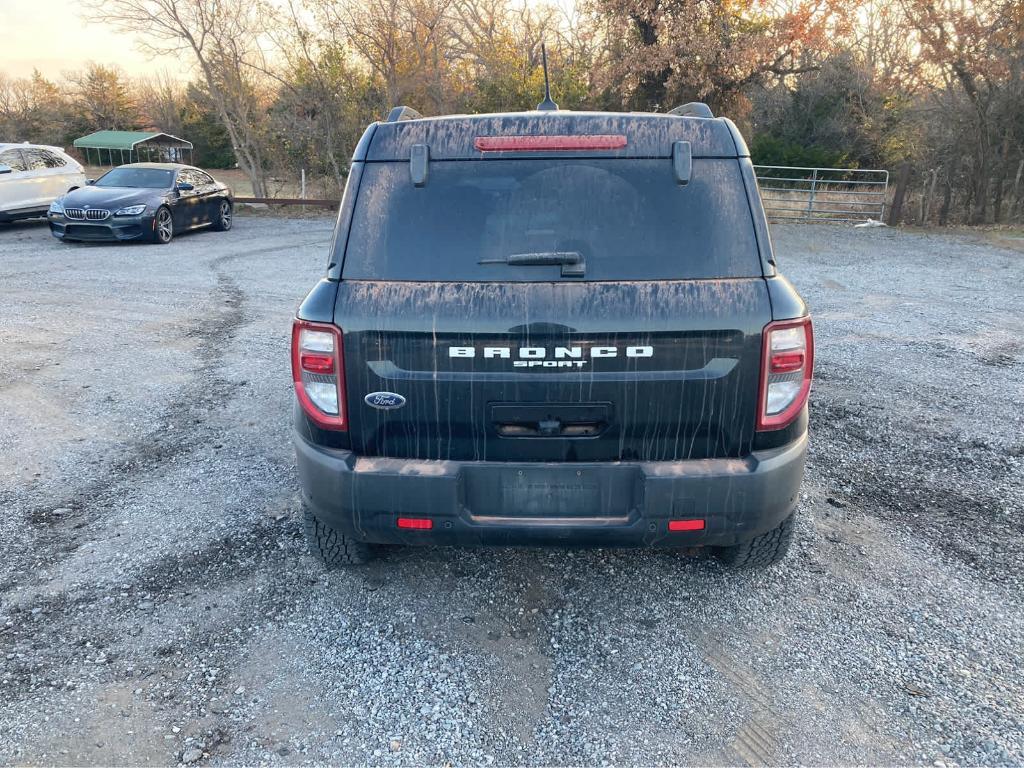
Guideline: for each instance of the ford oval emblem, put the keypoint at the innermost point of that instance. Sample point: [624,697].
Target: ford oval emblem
[385,401]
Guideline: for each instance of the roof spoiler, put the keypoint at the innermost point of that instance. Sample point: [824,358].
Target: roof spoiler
[403,113]
[692,109]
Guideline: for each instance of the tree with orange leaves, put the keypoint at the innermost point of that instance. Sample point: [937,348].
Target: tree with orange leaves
[666,52]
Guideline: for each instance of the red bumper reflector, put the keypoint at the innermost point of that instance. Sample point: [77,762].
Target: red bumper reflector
[416,523]
[686,525]
[548,143]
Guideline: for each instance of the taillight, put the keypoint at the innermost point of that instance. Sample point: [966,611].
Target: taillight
[548,143]
[319,373]
[787,363]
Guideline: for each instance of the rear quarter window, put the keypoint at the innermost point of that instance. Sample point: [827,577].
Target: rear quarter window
[12,159]
[628,218]
[53,160]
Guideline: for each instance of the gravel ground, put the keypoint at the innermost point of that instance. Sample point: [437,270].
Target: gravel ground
[157,604]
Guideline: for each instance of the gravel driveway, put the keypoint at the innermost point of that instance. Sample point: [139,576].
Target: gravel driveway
[157,605]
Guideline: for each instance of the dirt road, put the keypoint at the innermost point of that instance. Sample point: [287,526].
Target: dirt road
[157,605]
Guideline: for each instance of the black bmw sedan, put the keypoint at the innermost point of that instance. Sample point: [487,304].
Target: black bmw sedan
[142,201]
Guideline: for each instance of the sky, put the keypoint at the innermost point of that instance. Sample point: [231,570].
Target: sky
[49,35]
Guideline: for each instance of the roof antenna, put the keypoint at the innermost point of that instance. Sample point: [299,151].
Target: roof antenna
[547,105]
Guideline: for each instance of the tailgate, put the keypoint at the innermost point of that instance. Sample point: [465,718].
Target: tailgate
[531,371]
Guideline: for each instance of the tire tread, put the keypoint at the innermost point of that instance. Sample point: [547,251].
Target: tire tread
[333,548]
[761,551]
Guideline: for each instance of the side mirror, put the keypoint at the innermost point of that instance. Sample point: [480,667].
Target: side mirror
[5,169]
[90,182]
[184,186]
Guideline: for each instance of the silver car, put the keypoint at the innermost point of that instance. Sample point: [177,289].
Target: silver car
[32,176]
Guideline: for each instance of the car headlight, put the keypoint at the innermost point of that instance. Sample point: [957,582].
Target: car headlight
[56,207]
[131,210]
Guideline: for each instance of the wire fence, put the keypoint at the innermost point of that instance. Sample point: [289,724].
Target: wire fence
[822,194]
[789,193]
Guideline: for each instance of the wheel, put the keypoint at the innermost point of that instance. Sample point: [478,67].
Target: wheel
[163,226]
[761,551]
[333,548]
[224,217]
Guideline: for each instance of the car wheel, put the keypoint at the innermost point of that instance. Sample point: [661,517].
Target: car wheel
[333,548]
[163,226]
[761,551]
[225,216]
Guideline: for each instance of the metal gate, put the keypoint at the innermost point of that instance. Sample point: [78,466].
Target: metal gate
[822,194]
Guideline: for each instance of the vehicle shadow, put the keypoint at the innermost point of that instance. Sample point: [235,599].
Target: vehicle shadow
[22,224]
[34,225]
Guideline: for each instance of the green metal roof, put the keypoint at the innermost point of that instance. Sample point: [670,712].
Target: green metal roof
[129,140]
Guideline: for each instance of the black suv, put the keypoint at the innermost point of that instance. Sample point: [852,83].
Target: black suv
[552,327]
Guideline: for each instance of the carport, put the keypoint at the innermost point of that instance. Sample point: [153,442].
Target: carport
[133,147]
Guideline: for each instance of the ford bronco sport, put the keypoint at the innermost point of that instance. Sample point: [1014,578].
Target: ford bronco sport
[552,327]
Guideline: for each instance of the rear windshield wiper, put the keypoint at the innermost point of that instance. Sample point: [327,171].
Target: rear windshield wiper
[571,261]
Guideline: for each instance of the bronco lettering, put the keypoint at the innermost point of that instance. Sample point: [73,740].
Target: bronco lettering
[540,354]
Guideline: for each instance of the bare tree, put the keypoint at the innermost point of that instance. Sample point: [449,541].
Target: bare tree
[222,38]
[162,100]
[325,99]
[103,98]
[33,109]
[407,43]
[972,56]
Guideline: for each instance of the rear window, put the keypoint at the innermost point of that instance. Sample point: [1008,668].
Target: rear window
[628,220]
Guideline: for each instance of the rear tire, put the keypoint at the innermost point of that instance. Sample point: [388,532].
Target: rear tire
[225,216]
[333,548]
[761,551]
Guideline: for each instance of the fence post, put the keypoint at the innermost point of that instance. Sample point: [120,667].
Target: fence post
[896,211]
[814,185]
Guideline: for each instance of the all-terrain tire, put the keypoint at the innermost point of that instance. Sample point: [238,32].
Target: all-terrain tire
[761,551]
[333,548]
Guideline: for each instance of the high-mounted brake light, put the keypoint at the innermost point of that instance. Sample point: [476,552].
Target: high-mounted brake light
[548,143]
[319,373]
[787,365]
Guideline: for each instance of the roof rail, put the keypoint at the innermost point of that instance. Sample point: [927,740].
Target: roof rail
[403,113]
[692,109]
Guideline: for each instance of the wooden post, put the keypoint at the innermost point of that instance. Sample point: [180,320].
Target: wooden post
[902,180]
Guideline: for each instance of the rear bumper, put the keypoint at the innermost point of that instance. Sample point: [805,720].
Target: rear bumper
[603,504]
